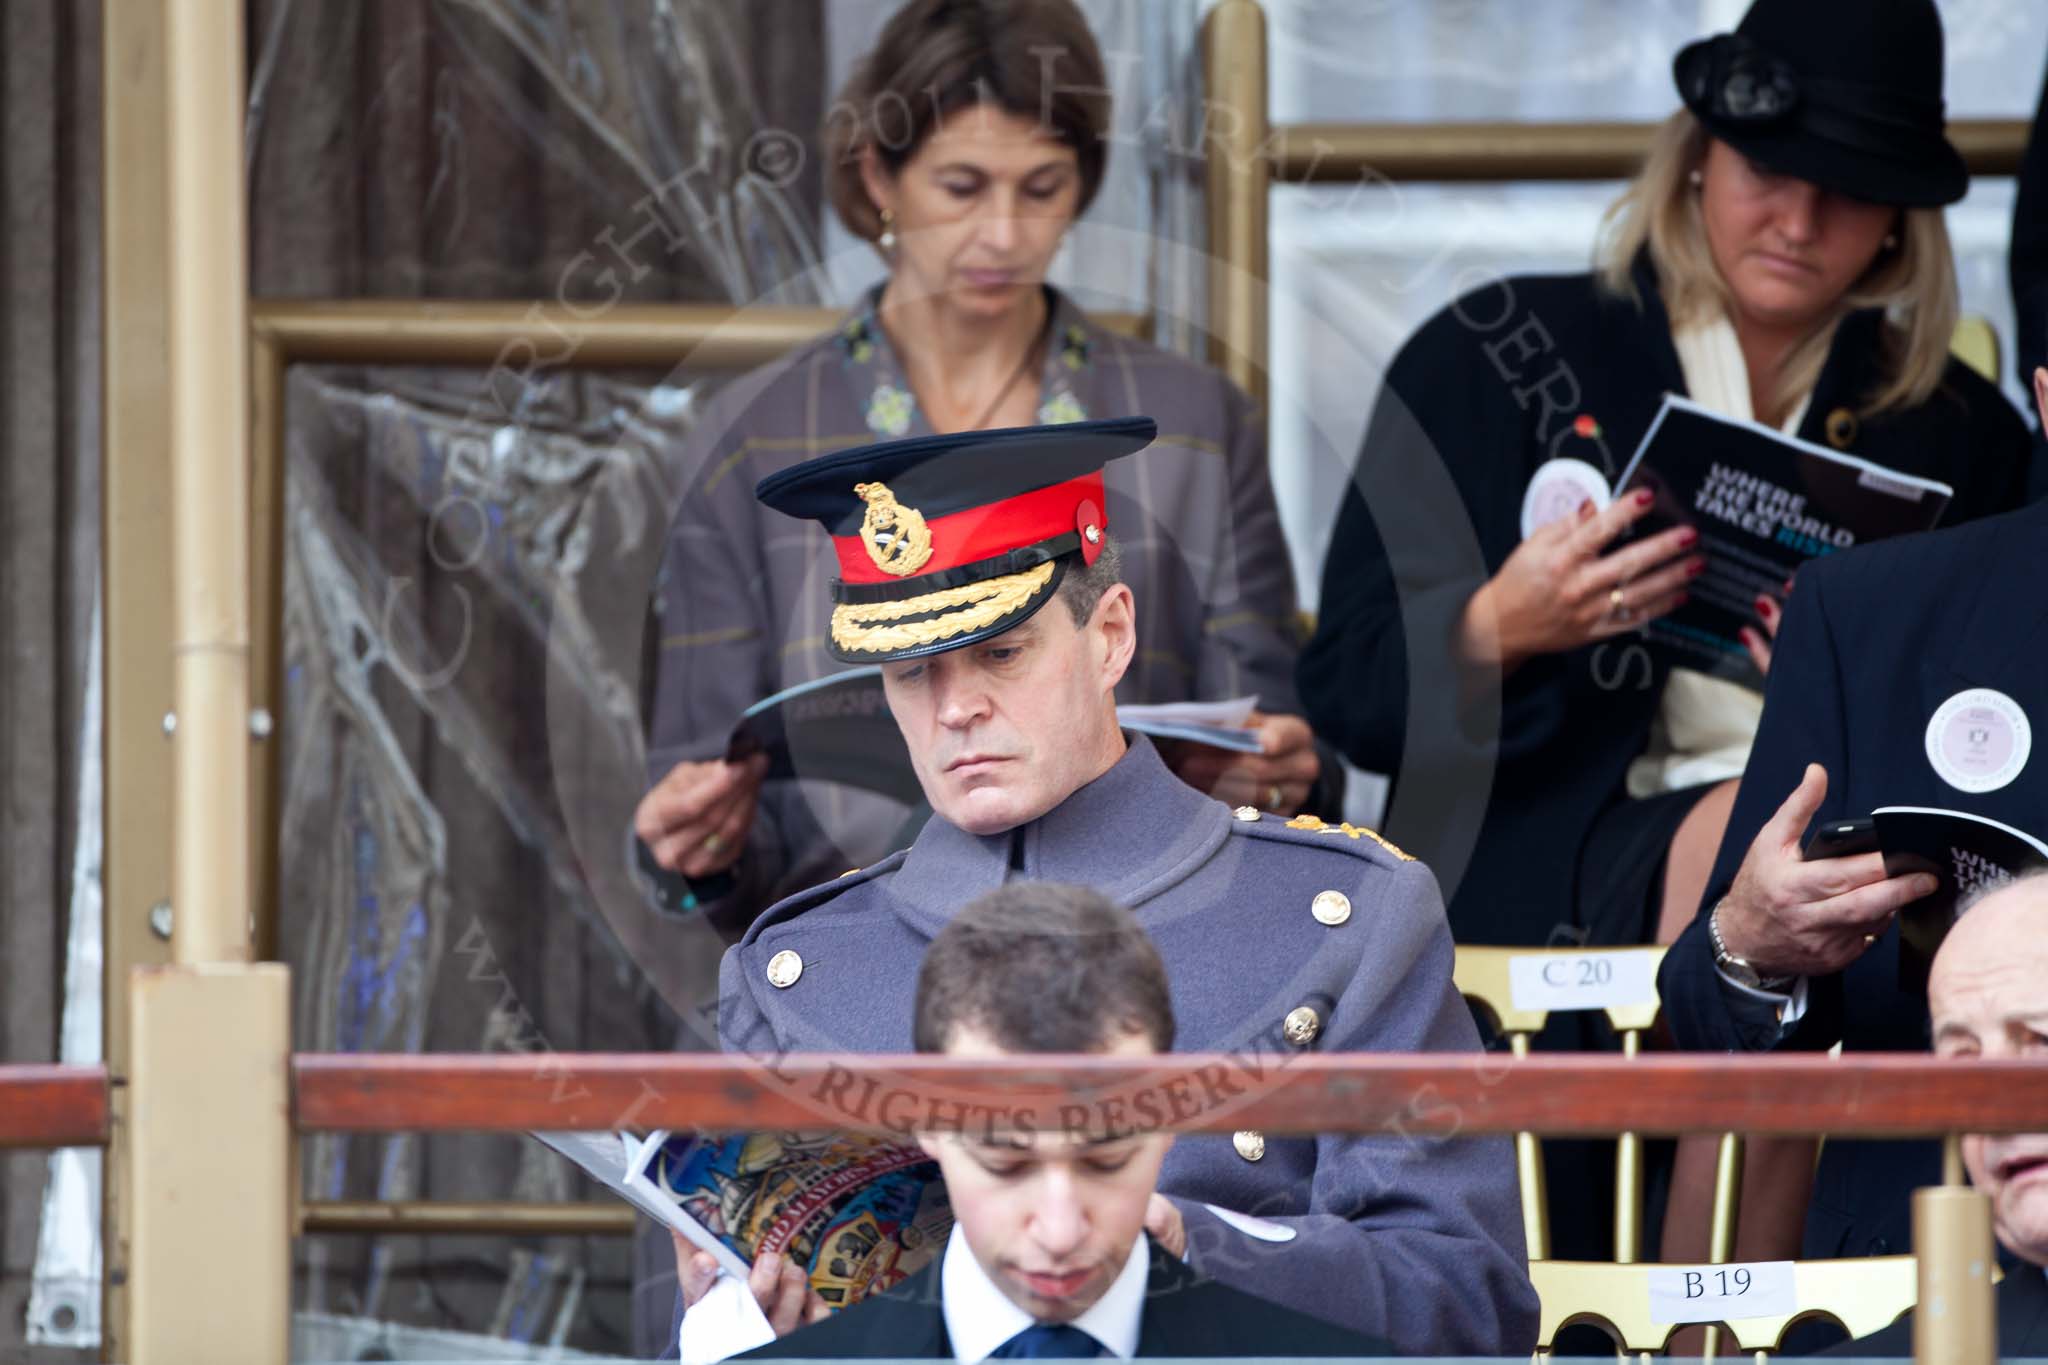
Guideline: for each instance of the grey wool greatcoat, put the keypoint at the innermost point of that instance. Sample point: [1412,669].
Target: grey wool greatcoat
[1416,1240]
[745,592]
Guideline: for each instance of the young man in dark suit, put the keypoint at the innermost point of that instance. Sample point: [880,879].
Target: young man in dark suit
[1049,1256]
[1988,993]
[1913,672]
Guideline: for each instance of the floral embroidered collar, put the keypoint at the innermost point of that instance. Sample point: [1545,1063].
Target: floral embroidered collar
[890,408]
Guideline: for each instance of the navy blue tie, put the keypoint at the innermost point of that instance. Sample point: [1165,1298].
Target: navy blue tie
[1041,1342]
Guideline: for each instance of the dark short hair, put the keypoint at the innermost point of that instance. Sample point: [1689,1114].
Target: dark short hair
[1035,59]
[1082,585]
[1043,967]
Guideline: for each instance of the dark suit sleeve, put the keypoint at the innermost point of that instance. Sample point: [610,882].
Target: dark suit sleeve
[2003,455]
[1803,722]
[2028,262]
[1415,1238]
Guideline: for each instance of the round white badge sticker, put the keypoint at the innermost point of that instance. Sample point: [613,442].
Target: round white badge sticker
[1557,488]
[1979,740]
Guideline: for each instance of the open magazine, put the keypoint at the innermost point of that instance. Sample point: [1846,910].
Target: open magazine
[1966,853]
[1764,503]
[838,729]
[860,1214]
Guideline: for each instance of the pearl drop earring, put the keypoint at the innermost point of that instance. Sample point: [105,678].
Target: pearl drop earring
[887,241]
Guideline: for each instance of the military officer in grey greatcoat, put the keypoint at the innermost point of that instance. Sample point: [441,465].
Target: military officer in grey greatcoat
[1281,937]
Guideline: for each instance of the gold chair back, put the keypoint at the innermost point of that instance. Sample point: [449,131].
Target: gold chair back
[1485,976]
[1860,1295]
[1975,343]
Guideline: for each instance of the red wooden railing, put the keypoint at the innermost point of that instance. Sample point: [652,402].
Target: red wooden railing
[53,1106]
[1873,1095]
[1869,1096]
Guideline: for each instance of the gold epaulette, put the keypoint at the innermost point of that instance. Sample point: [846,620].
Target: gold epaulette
[1315,824]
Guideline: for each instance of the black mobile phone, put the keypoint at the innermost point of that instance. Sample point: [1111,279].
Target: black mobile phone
[1843,838]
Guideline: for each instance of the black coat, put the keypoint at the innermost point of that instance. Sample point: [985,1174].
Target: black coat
[2028,263]
[2022,1323]
[1873,642]
[1499,802]
[1184,1316]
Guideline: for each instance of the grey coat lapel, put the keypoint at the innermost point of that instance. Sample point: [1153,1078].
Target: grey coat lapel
[1132,833]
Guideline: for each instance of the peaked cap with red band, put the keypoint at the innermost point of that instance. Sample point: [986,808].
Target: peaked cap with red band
[946,540]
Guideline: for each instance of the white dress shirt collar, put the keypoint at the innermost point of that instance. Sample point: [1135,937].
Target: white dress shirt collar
[980,1317]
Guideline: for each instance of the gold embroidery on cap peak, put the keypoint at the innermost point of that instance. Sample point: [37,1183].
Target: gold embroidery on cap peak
[866,627]
[896,536]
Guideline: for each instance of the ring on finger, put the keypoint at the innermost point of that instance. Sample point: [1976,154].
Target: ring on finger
[713,842]
[1275,797]
[1617,605]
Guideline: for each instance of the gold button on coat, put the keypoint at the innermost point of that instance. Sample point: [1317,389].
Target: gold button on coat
[1841,428]
[1331,908]
[1301,1026]
[784,968]
[1250,1145]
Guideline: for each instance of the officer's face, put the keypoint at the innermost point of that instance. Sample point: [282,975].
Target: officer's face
[1988,994]
[1002,731]
[1050,1217]
[979,209]
[1788,249]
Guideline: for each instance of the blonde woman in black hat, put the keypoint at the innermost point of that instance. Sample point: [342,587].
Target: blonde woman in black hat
[1781,257]
[965,147]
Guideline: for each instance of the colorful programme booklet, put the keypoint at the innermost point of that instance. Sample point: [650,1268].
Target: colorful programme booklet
[859,1213]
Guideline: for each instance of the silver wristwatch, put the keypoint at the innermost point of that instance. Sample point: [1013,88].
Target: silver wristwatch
[1736,969]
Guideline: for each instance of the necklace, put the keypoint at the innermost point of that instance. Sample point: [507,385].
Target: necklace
[1028,362]
[1024,366]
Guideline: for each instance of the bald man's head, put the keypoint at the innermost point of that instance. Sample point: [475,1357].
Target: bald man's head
[1988,994]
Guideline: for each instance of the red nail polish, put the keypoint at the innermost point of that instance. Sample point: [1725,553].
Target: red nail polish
[1644,497]
[1696,568]
[1688,537]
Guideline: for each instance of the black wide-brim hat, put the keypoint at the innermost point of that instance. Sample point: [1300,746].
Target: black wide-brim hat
[946,540]
[1843,94]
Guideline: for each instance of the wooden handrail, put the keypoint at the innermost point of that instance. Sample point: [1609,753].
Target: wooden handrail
[53,1106]
[1871,1095]
[1311,153]
[545,336]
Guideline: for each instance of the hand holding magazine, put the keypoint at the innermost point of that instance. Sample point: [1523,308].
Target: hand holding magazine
[1763,503]
[1966,854]
[859,1213]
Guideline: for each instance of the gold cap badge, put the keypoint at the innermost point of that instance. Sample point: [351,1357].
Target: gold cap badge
[896,536]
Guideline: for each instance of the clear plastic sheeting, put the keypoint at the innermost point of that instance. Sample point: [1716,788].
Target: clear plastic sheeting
[644,149]
[467,564]
[462,614]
